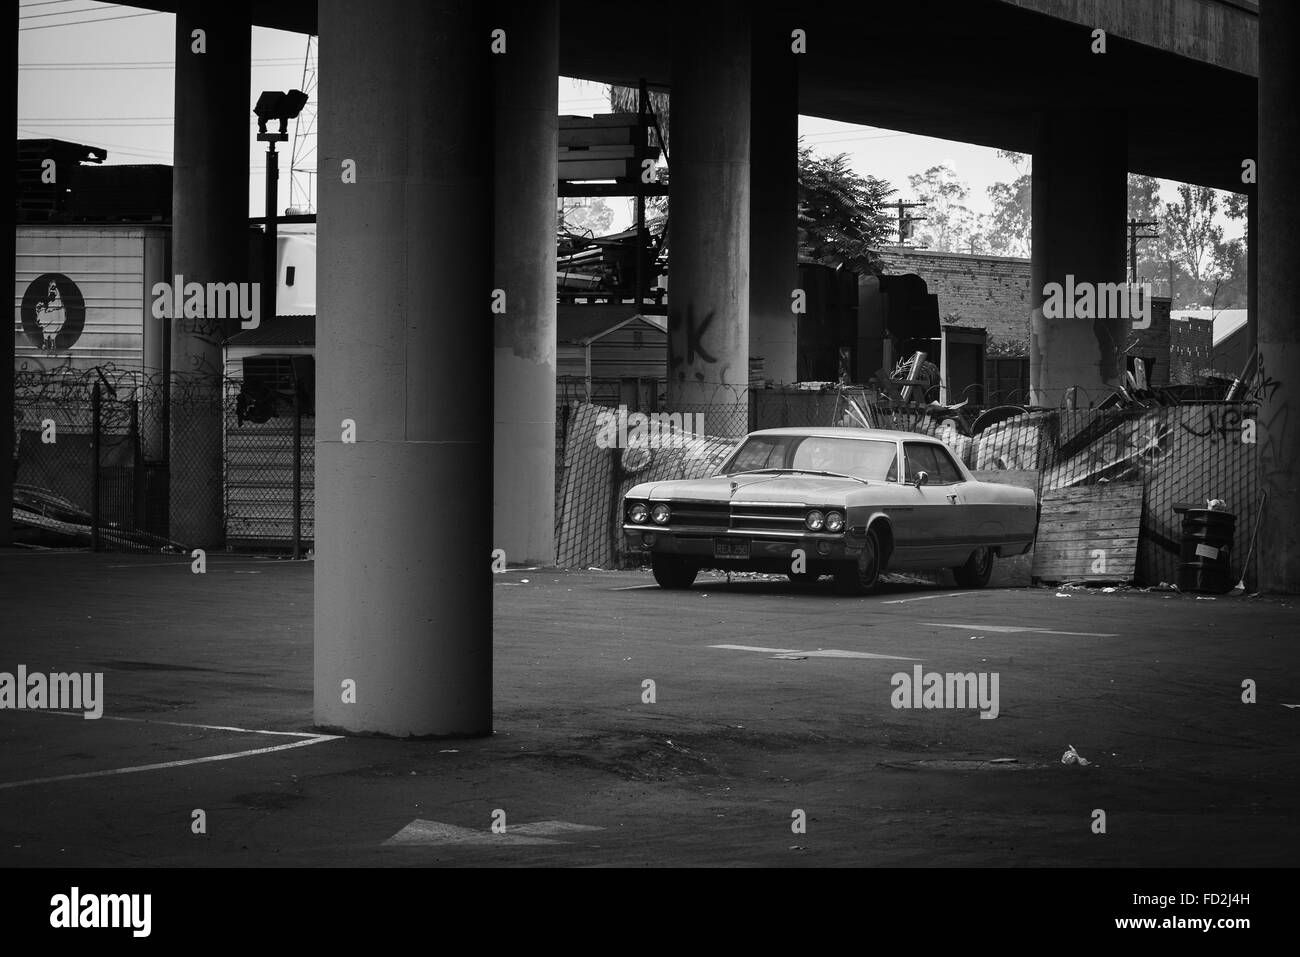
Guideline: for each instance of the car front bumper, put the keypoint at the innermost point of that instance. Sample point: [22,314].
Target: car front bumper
[700,545]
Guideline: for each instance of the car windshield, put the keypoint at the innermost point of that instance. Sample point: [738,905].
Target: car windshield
[874,459]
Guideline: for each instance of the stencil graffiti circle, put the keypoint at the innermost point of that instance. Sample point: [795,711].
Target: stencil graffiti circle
[53,312]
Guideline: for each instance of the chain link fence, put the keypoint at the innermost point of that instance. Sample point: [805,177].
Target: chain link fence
[96,466]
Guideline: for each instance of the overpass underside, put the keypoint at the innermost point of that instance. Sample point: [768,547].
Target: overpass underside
[448,211]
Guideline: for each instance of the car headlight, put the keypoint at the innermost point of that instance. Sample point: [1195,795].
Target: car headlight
[661,513]
[814,520]
[834,521]
[638,512]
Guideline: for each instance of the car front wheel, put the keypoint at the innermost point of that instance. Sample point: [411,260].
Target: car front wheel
[860,577]
[672,572]
[975,573]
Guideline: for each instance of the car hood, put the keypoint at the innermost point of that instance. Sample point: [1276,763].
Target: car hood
[803,489]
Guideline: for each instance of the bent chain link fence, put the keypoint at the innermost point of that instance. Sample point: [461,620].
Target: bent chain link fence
[95,465]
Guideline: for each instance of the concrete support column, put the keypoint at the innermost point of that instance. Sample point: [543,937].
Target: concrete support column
[527,103]
[8,249]
[708,278]
[774,200]
[1252,272]
[403,615]
[1079,214]
[1278,376]
[209,245]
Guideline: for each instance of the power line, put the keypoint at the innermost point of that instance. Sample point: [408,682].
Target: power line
[46,3]
[97,119]
[259,62]
[113,146]
[69,13]
[74,23]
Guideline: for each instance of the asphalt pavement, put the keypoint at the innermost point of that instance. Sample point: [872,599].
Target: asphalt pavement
[748,722]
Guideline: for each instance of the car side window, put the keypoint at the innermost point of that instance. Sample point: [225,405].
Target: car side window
[949,473]
[924,457]
[892,474]
[915,460]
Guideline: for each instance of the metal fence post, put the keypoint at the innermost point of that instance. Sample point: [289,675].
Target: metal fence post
[297,473]
[94,468]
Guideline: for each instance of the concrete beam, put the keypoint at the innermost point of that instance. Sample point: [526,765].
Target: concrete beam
[403,615]
[1222,33]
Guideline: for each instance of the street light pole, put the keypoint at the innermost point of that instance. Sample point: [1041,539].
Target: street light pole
[270,273]
[273,105]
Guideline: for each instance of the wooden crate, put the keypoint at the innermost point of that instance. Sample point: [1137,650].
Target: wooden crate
[1089,533]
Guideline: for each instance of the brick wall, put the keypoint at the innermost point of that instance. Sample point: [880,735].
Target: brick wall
[1191,342]
[1153,342]
[987,291]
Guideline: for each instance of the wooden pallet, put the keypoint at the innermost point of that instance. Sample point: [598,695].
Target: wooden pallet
[1089,533]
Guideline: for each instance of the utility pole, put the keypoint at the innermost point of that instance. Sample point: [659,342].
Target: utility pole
[905,221]
[1133,236]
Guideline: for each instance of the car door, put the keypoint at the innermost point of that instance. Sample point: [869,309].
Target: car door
[932,521]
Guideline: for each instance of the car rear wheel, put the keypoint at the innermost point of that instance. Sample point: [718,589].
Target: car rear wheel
[860,577]
[975,573]
[672,572]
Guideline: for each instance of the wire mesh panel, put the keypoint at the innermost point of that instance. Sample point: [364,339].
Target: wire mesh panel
[96,465]
[1184,455]
[259,474]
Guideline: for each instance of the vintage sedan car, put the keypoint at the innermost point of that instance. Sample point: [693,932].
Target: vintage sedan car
[857,502]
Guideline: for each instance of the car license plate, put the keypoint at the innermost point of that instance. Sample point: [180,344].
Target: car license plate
[731,548]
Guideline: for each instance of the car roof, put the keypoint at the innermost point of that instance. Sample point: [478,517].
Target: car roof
[850,432]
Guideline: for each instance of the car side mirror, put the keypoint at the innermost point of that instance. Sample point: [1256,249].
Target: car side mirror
[921,478]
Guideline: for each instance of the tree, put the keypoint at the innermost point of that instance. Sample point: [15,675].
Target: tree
[949,222]
[1007,232]
[1236,206]
[1193,233]
[1227,275]
[623,99]
[842,220]
[586,217]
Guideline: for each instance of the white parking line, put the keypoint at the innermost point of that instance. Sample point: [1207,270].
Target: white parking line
[820,653]
[168,764]
[308,738]
[1012,629]
[212,564]
[899,601]
[187,724]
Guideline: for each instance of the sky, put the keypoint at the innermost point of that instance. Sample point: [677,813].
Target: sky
[110,83]
[102,74]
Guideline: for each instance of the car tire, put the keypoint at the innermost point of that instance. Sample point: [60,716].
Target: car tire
[977,570]
[803,578]
[861,576]
[672,572]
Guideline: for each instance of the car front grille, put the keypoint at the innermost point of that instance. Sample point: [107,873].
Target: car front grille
[738,516]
